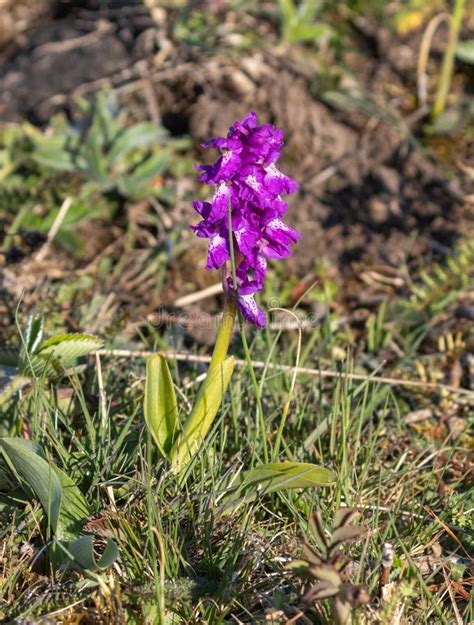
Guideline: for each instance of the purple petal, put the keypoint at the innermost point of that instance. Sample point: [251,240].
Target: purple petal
[217,253]
[204,229]
[246,238]
[276,230]
[276,250]
[202,208]
[276,182]
[220,202]
[250,311]
[260,268]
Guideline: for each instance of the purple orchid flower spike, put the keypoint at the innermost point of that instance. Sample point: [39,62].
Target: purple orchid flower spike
[246,178]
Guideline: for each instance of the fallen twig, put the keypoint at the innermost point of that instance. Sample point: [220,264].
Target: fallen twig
[323,373]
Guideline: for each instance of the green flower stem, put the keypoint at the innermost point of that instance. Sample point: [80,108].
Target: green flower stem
[248,356]
[210,395]
[448,60]
[224,334]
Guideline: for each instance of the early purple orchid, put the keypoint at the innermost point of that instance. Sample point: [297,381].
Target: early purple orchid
[246,178]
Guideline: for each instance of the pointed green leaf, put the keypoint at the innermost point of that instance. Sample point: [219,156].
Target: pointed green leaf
[35,475]
[138,135]
[67,348]
[202,415]
[286,475]
[276,476]
[287,11]
[308,32]
[308,10]
[80,553]
[10,385]
[31,341]
[160,407]
[74,511]
[465,51]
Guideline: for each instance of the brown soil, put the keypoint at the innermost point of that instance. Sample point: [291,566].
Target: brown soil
[371,197]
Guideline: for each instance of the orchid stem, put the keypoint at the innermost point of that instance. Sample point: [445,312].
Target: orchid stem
[248,355]
[224,334]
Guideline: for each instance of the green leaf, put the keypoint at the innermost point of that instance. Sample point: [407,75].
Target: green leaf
[160,407]
[30,344]
[465,51]
[153,166]
[133,188]
[138,135]
[288,11]
[308,32]
[276,476]
[33,333]
[80,553]
[58,159]
[10,385]
[202,415]
[67,348]
[35,475]
[308,10]
[74,511]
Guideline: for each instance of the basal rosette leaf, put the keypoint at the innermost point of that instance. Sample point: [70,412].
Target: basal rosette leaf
[160,405]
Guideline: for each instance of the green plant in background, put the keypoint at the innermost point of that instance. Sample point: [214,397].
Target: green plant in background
[98,161]
[108,154]
[297,22]
[25,472]
[41,358]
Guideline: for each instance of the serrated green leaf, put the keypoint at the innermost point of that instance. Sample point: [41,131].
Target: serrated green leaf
[67,348]
[160,405]
[34,474]
[30,344]
[10,386]
[200,420]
